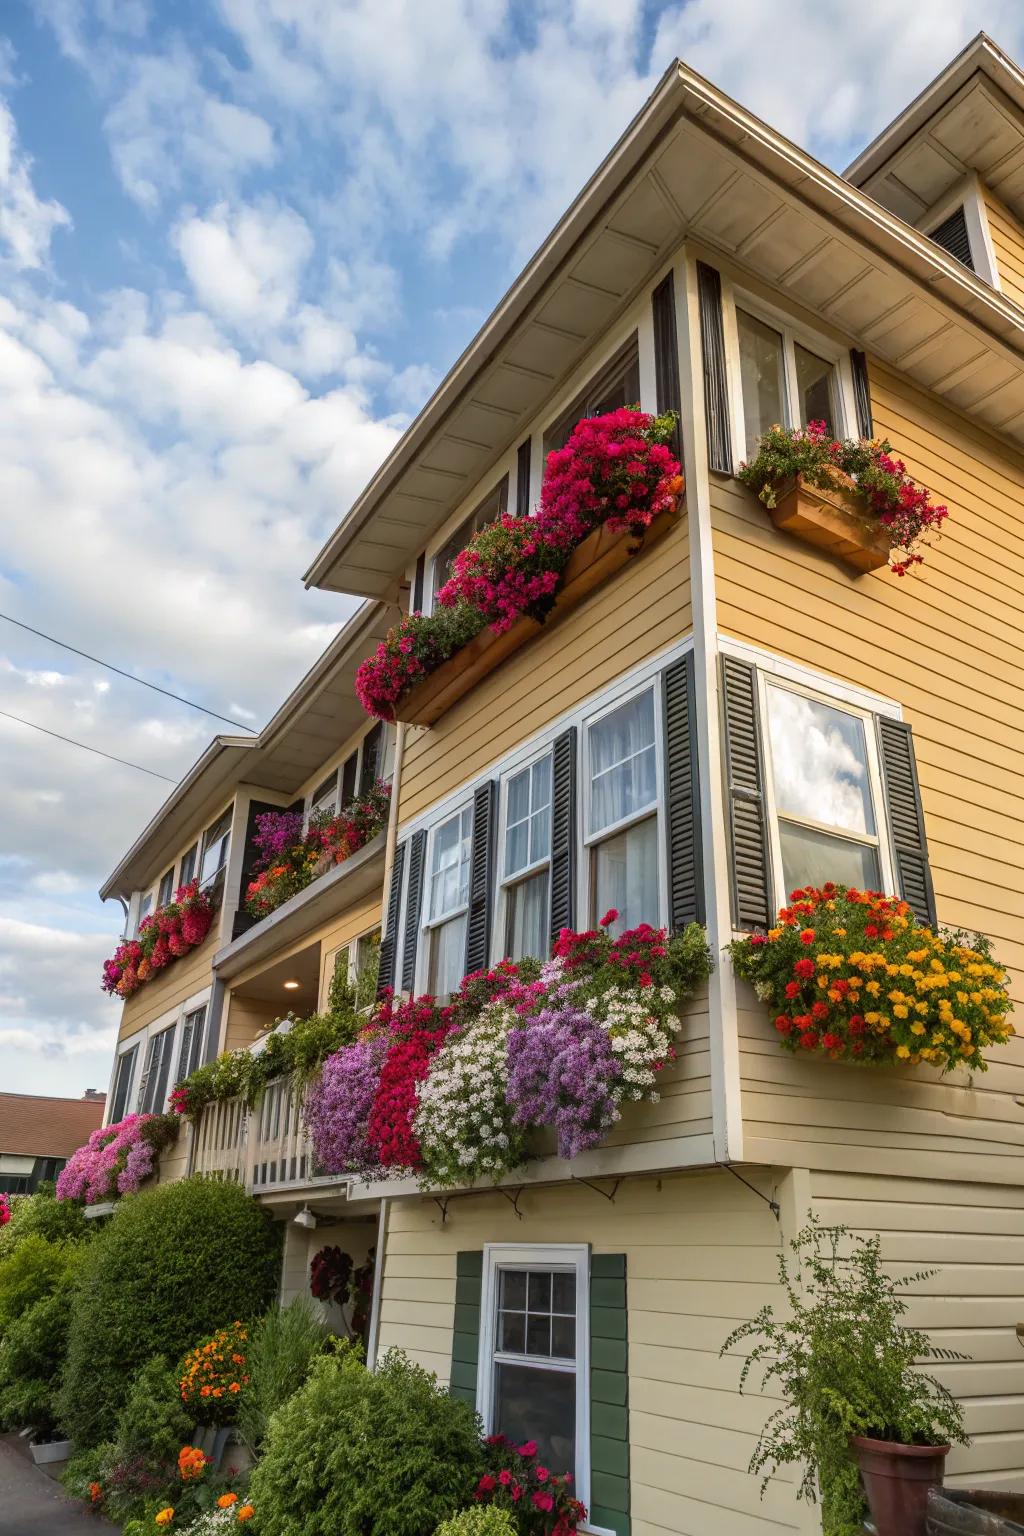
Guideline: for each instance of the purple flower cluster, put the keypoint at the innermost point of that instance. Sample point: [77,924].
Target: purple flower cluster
[339,1103]
[562,1072]
[276,832]
[115,1160]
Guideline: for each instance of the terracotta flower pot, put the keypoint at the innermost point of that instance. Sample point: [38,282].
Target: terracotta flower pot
[896,1480]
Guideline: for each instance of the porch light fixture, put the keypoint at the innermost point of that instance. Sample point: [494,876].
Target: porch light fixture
[305,1218]
[291,986]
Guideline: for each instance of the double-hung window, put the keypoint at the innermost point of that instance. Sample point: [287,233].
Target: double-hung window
[824,792]
[122,1084]
[324,800]
[145,908]
[158,1069]
[447,904]
[784,379]
[489,510]
[526,861]
[621,826]
[188,865]
[215,849]
[166,888]
[191,1047]
[532,1376]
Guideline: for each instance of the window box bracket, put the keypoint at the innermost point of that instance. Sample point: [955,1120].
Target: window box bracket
[833,520]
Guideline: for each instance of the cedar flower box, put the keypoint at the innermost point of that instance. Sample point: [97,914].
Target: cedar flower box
[597,558]
[833,520]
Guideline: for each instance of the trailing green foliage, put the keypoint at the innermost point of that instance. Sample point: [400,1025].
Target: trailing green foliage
[845,1365]
[172,1265]
[479,1520]
[361,1453]
[282,1347]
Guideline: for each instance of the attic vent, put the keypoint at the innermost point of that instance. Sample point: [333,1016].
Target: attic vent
[952,235]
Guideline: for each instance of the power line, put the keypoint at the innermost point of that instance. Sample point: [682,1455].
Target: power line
[129,675]
[71,743]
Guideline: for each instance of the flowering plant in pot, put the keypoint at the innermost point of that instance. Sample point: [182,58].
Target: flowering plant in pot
[116,1159]
[864,1422]
[852,975]
[539,1500]
[904,510]
[163,937]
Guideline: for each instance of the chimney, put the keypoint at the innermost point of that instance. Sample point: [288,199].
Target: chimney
[94,1096]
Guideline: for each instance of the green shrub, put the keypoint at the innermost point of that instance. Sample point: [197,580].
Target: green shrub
[44,1216]
[172,1265]
[36,1269]
[479,1520]
[282,1347]
[153,1424]
[366,1453]
[31,1362]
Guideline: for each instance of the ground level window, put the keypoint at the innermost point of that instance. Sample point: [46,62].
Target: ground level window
[535,1350]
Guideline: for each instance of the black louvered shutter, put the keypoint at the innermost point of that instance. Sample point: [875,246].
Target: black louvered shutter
[862,393]
[609,1394]
[370,769]
[716,387]
[417,586]
[523,479]
[685,866]
[413,904]
[906,818]
[481,864]
[469,1272]
[666,353]
[744,770]
[952,235]
[563,833]
[386,967]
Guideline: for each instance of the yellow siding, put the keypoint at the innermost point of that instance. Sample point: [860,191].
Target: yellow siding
[947,642]
[973,1237]
[700,1257]
[248,1017]
[1008,243]
[633,616]
[169,989]
[684,1108]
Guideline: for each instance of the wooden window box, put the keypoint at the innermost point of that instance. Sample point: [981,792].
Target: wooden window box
[600,555]
[833,520]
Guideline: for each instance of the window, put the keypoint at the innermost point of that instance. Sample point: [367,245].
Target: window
[122,1084]
[825,790]
[153,1088]
[616,386]
[489,510]
[784,380]
[366,966]
[533,1374]
[145,907]
[324,800]
[526,855]
[215,848]
[188,865]
[191,1048]
[622,820]
[349,777]
[448,902]
[166,889]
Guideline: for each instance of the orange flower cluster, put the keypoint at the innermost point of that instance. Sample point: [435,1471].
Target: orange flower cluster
[245,1513]
[192,1463]
[214,1374]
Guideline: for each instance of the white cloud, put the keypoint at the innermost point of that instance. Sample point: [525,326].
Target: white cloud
[27,221]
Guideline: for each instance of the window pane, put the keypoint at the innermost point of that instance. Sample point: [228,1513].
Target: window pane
[447,957]
[188,865]
[513,1288]
[623,763]
[531,1403]
[563,1297]
[563,1338]
[812,858]
[144,909]
[488,511]
[512,1333]
[538,1333]
[814,383]
[539,1292]
[528,817]
[608,392]
[820,762]
[761,377]
[122,1084]
[626,877]
[527,929]
[449,877]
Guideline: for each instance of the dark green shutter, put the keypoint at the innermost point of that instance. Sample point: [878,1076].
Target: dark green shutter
[386,968]
[685,865]
[413,902]
[523,479]
[744,770]
[609,1393]
[469,1273]
[418,584]
[862,393]
[716,386]
[666,353]
[906,818]
[563,833]
[481,861]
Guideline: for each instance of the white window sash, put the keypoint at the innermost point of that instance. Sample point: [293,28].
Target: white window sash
[655,807]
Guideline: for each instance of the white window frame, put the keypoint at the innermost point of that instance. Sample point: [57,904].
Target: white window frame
[505,883]
[130,1045]
[193,846]
[206,882]
[332,795]
[173,1018]
[567,1256]
[967,193]
[792,331]
[146,907]
[590,840]
[428,923]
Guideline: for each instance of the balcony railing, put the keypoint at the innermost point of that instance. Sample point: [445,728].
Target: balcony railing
[265,1148]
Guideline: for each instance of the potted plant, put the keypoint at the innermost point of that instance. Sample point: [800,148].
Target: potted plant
[864,1422]
[847,496]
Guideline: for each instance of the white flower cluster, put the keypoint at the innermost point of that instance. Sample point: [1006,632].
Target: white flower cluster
[215,1522]
[641,1036]
[462,1120]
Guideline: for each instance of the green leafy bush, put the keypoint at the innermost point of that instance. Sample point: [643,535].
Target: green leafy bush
[31,1363]
[43,1215]
[282,1348]
[172,1265]
[153,1423]
[479,1520]
[366,1453]
[36,1269]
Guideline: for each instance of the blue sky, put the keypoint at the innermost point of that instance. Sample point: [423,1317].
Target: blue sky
[240,241]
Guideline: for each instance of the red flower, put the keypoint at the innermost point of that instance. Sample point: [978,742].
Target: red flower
[807,936]
[504,1477]
[543,1501]
[804,968]
[793,988]
[611,916]
[831,1042]
[784,1024]
[528,1448]
[485,1484]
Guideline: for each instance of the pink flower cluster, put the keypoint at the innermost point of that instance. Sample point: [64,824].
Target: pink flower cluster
[165,935]
[5,1210]
[116,1159]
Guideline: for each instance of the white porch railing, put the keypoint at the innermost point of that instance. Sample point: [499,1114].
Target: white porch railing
[265,1148]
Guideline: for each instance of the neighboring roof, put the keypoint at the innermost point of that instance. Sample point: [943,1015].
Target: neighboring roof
[312,723]
[693,163]
[32,1125]
[970,118]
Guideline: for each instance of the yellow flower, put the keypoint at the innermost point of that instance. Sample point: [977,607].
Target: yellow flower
[165,1516]
[822,981]
[901,1011]
[775,933]
[872,1018]
[873,987]
[903,1051]
[917,1029]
